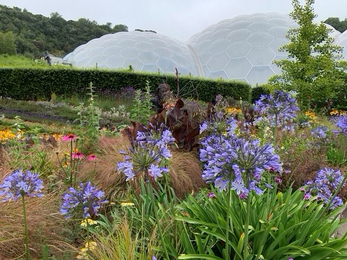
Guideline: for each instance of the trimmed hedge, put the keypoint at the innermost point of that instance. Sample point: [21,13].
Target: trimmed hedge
[39,84]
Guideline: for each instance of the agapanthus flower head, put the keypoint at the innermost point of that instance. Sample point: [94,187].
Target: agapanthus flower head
[341,123]
[320,132]
[69,137]
[219,124]
[85,201]
[21,183]
[279,108]
[154,171]
[326,181]
[148,155]
[236,162]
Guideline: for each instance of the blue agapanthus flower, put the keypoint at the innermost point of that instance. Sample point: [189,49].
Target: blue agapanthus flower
[279,108]
[324,186]
[148,155]
[21,183]
[320,132]
[85,200]
[341,123]
[236,162]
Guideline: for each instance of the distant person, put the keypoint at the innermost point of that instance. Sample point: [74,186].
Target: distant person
[47,58]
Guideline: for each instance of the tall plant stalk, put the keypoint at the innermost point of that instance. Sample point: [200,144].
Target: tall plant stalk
[26,244]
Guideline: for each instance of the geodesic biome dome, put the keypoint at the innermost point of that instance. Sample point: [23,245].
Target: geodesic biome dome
[143,51]
[242,48]
[342,41]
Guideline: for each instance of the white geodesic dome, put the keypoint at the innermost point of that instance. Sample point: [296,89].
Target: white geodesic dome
[144,51]
[242,48]
[342,41]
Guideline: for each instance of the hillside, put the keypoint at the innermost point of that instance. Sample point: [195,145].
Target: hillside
[34,34]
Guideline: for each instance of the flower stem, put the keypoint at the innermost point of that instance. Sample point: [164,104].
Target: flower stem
[226,256]
[27,257]
[71,163]
[248,209]
[334,195]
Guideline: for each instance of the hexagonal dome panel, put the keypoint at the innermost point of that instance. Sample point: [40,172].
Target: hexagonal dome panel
[261,56]
[141,50]
[243,48]
[253,42]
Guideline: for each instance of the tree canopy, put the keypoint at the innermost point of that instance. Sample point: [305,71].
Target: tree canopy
[335,22]
[313,69]
[34,34]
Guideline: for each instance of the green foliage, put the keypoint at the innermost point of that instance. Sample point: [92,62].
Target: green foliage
[20,61]
[335,22]
[140,227]
[281,225]
[89,120]
[7,45]
[337,152]
[38,84]
[142,106]
[34,34]
[313,68]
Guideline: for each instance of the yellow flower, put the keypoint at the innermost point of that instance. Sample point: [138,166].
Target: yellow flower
[89,221]
[311,115]
[88,246]
[233,110]
[125,204]
[57,136]
[6,135]
[336,112]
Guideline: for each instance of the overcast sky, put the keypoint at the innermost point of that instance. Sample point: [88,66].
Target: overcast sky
[179,19]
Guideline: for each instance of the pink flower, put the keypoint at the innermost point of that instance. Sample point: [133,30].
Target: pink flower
[92,157]
[211,195]
[77,155]
[69,137]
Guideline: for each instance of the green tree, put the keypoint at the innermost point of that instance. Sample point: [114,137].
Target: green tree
[35,34]
[314,68]
[335,22]
[7,45]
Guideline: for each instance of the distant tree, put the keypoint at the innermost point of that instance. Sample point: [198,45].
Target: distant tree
[34,34]
[120,28]
[7,45]
[335,22]
[313,68]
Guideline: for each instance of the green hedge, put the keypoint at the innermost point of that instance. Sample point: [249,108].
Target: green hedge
[39,84]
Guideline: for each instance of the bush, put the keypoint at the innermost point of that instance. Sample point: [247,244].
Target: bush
[39,84]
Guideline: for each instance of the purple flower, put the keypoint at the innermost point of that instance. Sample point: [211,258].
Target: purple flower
[320,132]
[148,154]
[85,200]
[127,168]
[219,124]
[211,195]
[203,127]
[20,183]
[324,186]
[155,171]
[279,109]
[341,122]
[238,163]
